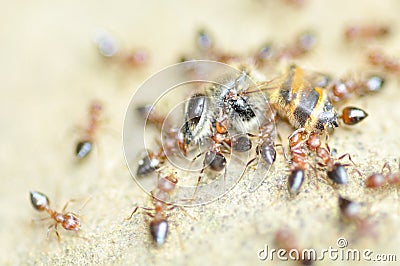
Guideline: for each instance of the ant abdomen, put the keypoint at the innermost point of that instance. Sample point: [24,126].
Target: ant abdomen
[215,160]
[241,143]
[338,174]
[267,152]
[159,230]
[295,180]
[83,148]
[39,200]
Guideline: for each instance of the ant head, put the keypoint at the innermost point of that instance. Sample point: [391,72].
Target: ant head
[39,200]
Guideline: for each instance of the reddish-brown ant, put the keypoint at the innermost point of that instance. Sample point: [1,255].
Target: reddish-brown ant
[366,32]
[302,45]
[265,143]
[85,145]
[109,48]
[350,212]
[345,88]
[285,239]
[301,143]
[299,152]
[173,141]
[377,58]
[378,180]
[68,220]
[161,195]
[336,171]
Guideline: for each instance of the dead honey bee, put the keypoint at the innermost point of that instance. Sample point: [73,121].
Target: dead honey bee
[297,98]
[228,99]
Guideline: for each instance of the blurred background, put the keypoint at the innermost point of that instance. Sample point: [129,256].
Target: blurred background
[51,71]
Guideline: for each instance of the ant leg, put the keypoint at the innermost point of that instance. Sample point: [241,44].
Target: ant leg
[245,168]
[387,166]
[195,158]
[284,151]
[198,181]
[349,157]
[144,208]
[48,230]
[66,204]
[316,176]
[57,234]
[40,219]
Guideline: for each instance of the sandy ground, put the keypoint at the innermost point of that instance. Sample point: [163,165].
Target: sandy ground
[51,71]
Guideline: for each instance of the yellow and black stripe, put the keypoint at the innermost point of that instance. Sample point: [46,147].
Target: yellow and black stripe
[303,105]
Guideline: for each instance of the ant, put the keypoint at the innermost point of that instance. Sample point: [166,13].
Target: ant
[378,180]
[109,48]
[207,50]
[85,145]
[377,58]
[68,220]
[285,239]
[335,171]
[350,212]
[343,89]
[173,142]
[159,224]
[221,143]
[151,117]
[299,152]
[366,32]
[265,143]
[302,45]
[301,143]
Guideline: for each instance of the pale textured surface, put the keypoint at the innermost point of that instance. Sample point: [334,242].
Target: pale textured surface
[51,71]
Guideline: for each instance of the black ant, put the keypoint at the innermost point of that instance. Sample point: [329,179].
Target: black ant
[68,220]
[85,145]
[161,195]
[378,180]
